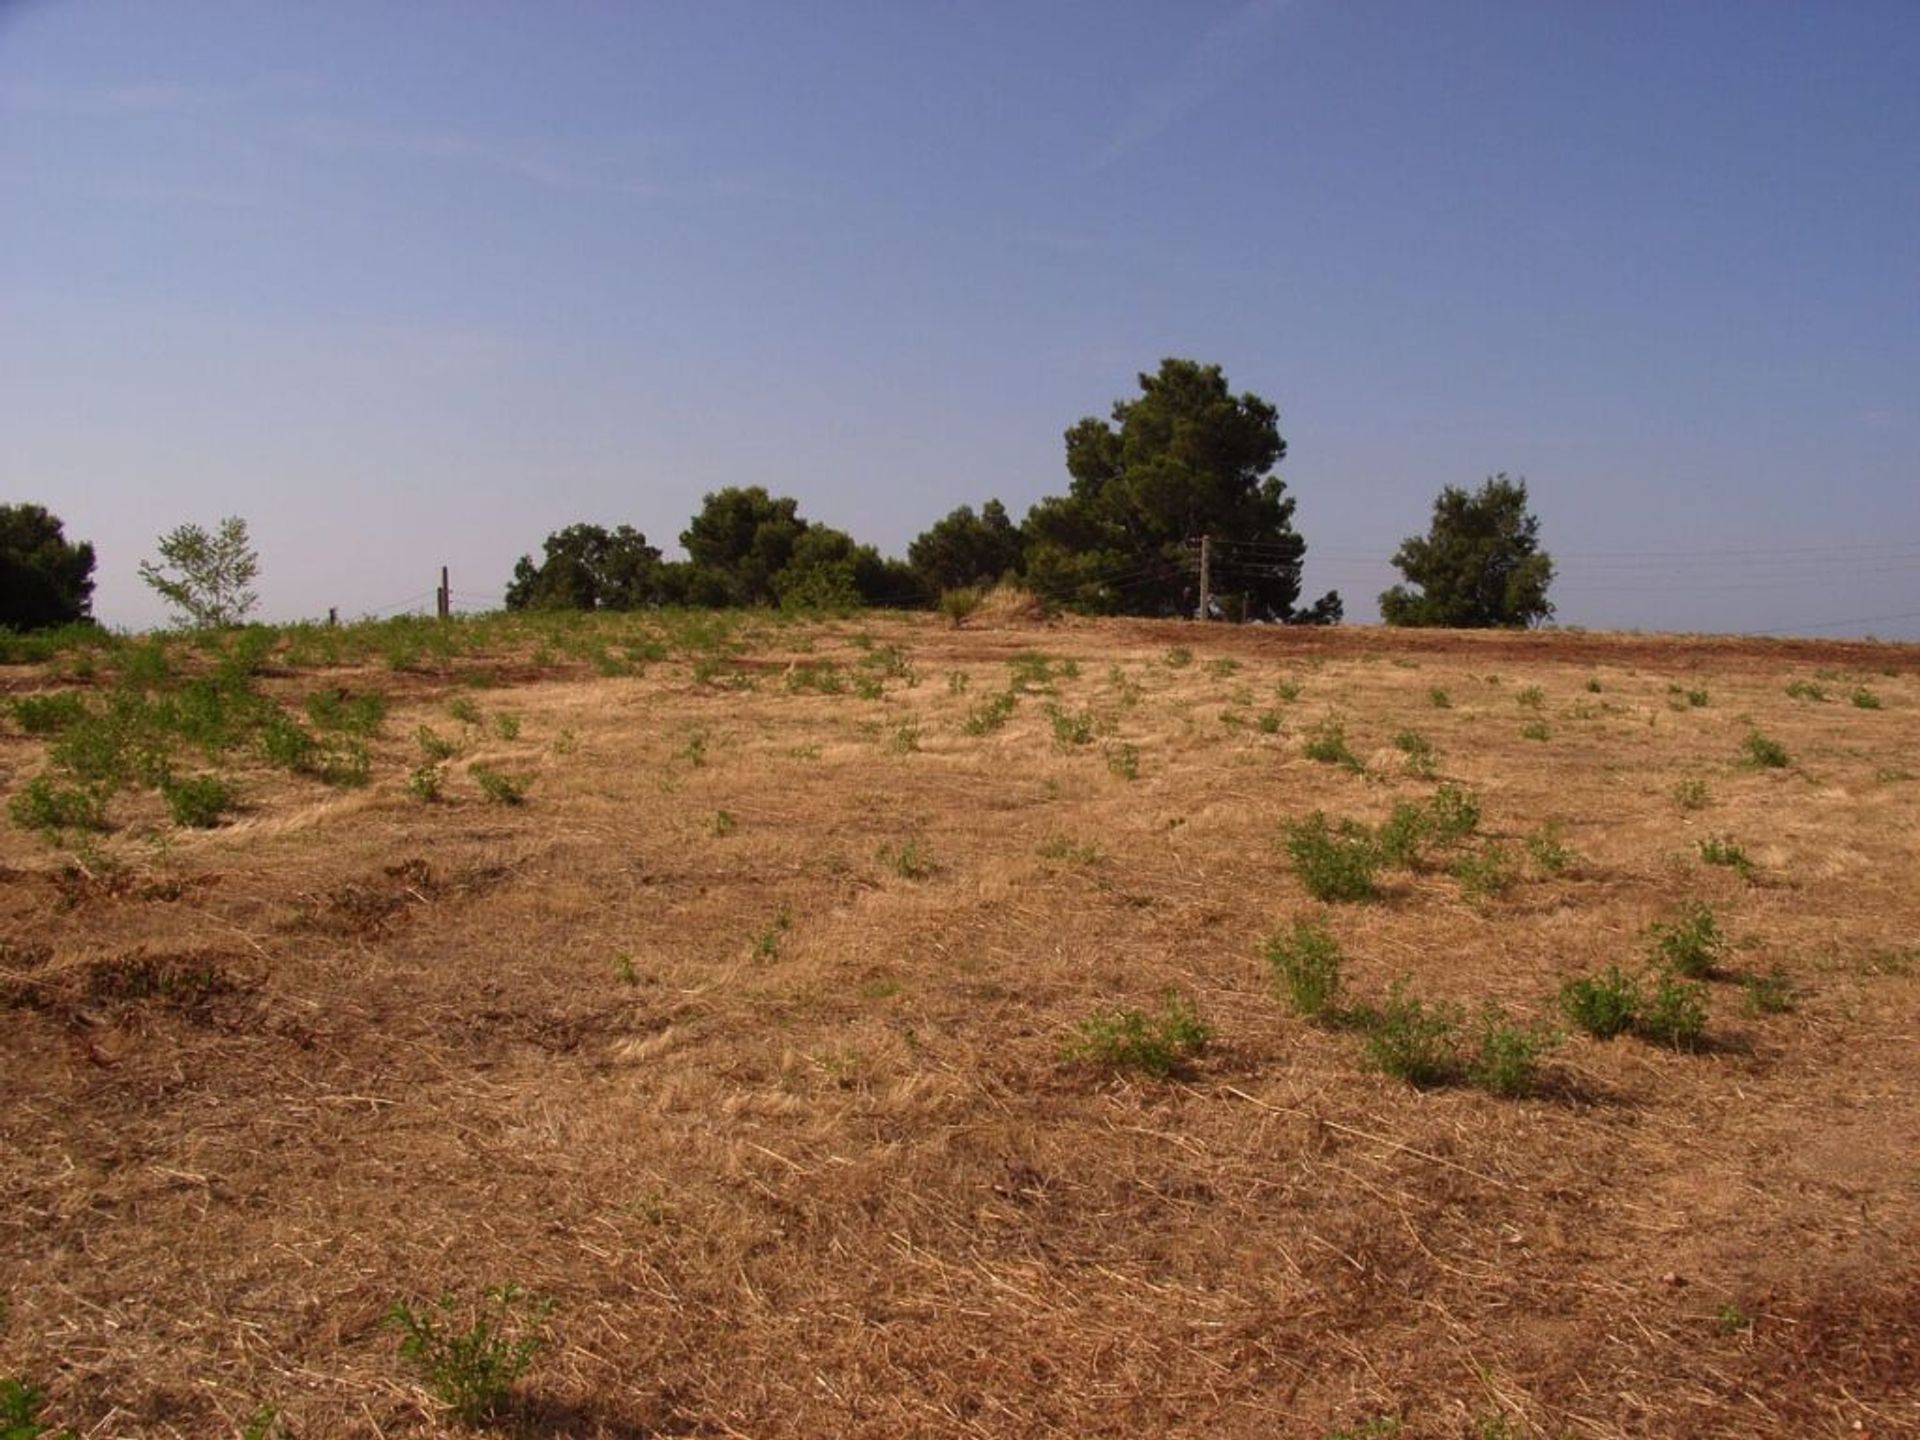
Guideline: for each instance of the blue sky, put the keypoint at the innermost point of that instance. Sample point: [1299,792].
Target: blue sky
[412,284]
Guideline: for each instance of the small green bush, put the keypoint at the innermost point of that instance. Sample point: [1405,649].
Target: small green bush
[1806,690]
[1548,851]
[337,710]
[1603,1005]
[426,782]
[1124,760]
[1691,795]
[1536,730]
[990,715]
[723,824]
[471,1367]
[1414,1041]
[1506,1056]
[1327,744]
[910,861]
[1268,722]
[48,807]
[1691,944]
[20,1404]
[506,726]
[49,714]
[1158,1044]
[1675,1012]
[1333,863]
[1287,690]
[433,745]
[1401,835]
[1484,873]
[1439,699]
[464,710]
[1722,850]
[1864,699]
[1452,815]
[1070,730]
[1306,965]
[959,605]
[1769,994]
[1531,697]
[1421,756]
[1178,657]
[1764,754]
[499,787]
[199,801]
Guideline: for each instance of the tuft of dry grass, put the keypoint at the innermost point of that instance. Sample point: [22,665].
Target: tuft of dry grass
[266,1081]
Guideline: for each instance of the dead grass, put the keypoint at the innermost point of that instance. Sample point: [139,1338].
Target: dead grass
[264,1081]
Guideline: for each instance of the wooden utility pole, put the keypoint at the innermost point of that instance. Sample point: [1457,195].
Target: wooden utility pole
[444,596]
[1206,577]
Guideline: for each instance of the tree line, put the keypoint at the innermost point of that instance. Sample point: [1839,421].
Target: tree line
[1184,458]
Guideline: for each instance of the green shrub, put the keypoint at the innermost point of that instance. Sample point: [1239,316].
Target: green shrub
[1031,670]
[1770,994]
[464,710]
[1452,815]
[1764,754]
[1414,1041]
[1675,1012]
[49,714]
[1484,873]
[1334,864]
[910,861]
[1593,685]
[284,743]
[199,800]
[20,1404]
[1691,795]
[1806,690]
[1225,666]
[1691,944]
[470,1357]
[1532,697]
[49,807]
[1421,756]
[1603,1005]
[426,782]
[340,760]
[1439,699]
[1070,730]
[959,605]
[1268,722]
[1536,730]
[1178,657]
[1124,760]
[1721,850]
[433,745]
[1548,851]
[1306,964]
[1287,690]
[1327,744]
[499,787]
[990,715]
[1158,1045]
[1506,1057]
[1401,835]
[1865,699]
[506,726]
[337,710]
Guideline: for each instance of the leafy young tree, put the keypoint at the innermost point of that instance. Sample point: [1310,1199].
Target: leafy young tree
[1479,565]
[967,549]
[1187,458]
[588,567]
[741,538]
[206,577]
[44,579]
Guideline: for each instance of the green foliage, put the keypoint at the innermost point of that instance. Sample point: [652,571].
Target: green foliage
[1439,699]
[1030,671]
[337,710]
[1484,873]
[1421,756]
[1680,697]
[991,714]
[1327,744]
[1807,690]
[1452,815]
[1722,850]
[49,714]
[499,787]
[1536,730]
[1603,1005]
[1306,965]
[1532,697]
[427,782]
[1675,1013]
[1333,863]
[1730,1319]
[766,945]
[587,567]
[1124,760]
[1267,722]
[1864,699]
[1287,690]
[1769,994]
[1177,658]
[1186,457]
[433,745]
[910,861]
[1548,851]
[45,580]
[960,604]
[1414,1041]
[506,726]
[20,1404]
[963,553]
[1157,1044]
[1763,754]
[1691,795]
[1402,835]
[1479,565]
[206,576]
[1691,944]
[1071,730]
[470,1356]
[1223,667]
[464,710]
[1506,1057]
[198,800]
[49,807]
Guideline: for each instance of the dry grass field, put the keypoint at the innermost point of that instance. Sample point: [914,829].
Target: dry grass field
[743,1040]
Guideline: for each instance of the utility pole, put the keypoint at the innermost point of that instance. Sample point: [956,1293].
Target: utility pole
[444,596]
[1206,577]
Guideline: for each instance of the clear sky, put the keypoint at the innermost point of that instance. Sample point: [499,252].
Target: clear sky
[413,283]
